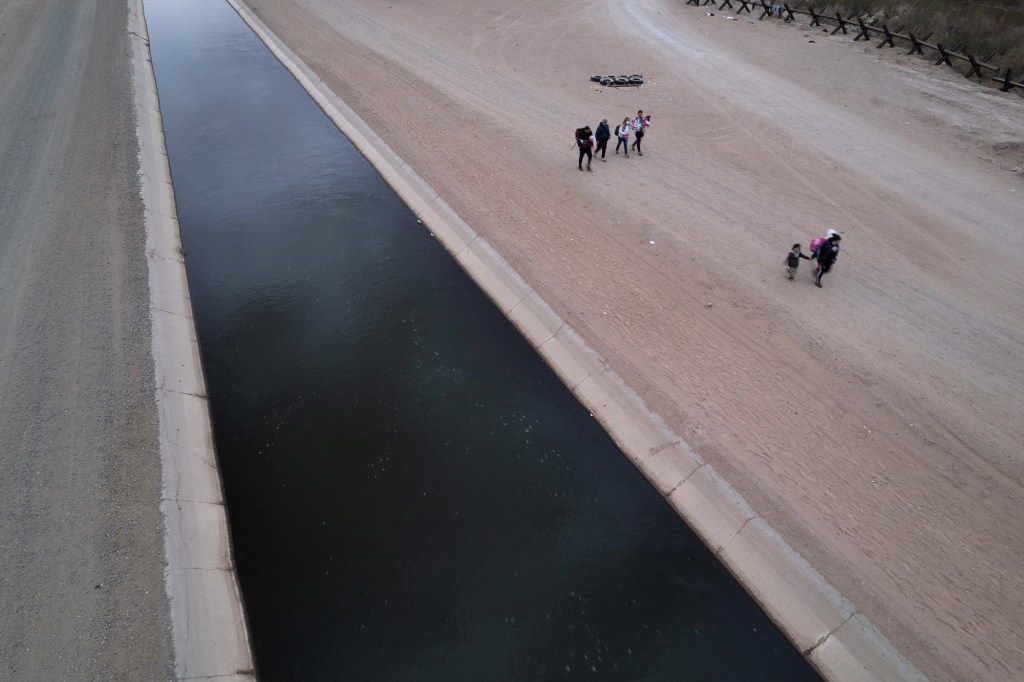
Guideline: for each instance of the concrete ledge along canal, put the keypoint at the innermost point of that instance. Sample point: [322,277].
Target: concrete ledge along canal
[412,493]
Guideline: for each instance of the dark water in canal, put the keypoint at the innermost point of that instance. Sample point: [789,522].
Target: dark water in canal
[413,495]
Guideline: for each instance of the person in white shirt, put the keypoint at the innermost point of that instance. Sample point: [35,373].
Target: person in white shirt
[640,126]
[622,132]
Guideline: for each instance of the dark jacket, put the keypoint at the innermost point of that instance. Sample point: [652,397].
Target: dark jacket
[602,133]
[828,253]
[793,259]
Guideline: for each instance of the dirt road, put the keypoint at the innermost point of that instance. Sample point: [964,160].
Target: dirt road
[81,547]
[875,422]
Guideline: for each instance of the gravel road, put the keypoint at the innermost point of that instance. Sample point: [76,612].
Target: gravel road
[81,549]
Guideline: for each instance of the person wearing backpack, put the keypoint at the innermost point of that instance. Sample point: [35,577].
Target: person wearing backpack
[639,128]
[827,254]
[622,132]
[586,142]
[603,134]
[818,241]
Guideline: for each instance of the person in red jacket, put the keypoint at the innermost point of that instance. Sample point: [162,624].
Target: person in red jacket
[586,142]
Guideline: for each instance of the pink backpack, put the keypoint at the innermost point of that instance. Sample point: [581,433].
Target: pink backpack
[816,244]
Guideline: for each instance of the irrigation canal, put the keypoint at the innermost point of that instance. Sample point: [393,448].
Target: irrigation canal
[412,493]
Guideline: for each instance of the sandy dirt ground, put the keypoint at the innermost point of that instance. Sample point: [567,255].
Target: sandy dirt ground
[877,422]
[81,546]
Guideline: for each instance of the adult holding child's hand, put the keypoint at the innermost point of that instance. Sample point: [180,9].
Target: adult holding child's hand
[827,254]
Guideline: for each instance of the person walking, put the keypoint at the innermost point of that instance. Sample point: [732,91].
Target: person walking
[602,134]
[585,141]
[793,260]
[622,132]
[827,255]
[640,125]
[818,241]
[638,131]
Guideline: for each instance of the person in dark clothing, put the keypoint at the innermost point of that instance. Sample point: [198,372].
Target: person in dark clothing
[638,131]
[793,259]
[827,255]
[585,141]
[603,134]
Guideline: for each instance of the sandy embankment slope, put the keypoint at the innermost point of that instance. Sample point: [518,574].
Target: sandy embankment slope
[81,548]
[877,422]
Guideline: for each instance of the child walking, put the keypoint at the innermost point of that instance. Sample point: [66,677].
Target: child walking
[793,259]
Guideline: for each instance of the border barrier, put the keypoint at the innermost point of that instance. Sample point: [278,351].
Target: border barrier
[867,31]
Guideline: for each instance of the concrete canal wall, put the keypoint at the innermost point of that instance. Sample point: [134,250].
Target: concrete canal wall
[210,634]
[208,621]
[823,625]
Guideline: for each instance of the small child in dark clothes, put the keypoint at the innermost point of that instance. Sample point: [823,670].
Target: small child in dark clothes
[793,259]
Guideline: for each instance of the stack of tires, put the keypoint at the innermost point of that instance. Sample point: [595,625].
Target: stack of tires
[619,81]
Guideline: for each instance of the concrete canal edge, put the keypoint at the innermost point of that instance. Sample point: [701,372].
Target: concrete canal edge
[827,629]
[208,626]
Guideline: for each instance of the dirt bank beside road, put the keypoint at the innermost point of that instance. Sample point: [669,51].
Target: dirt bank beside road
[81,548]
[876,422]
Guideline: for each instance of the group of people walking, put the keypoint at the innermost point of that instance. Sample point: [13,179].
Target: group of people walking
[592,143]
[823,249]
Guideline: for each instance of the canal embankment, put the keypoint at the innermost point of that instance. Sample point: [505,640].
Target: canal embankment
[862,420]
[820,622]
[208,627]
[368,403]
